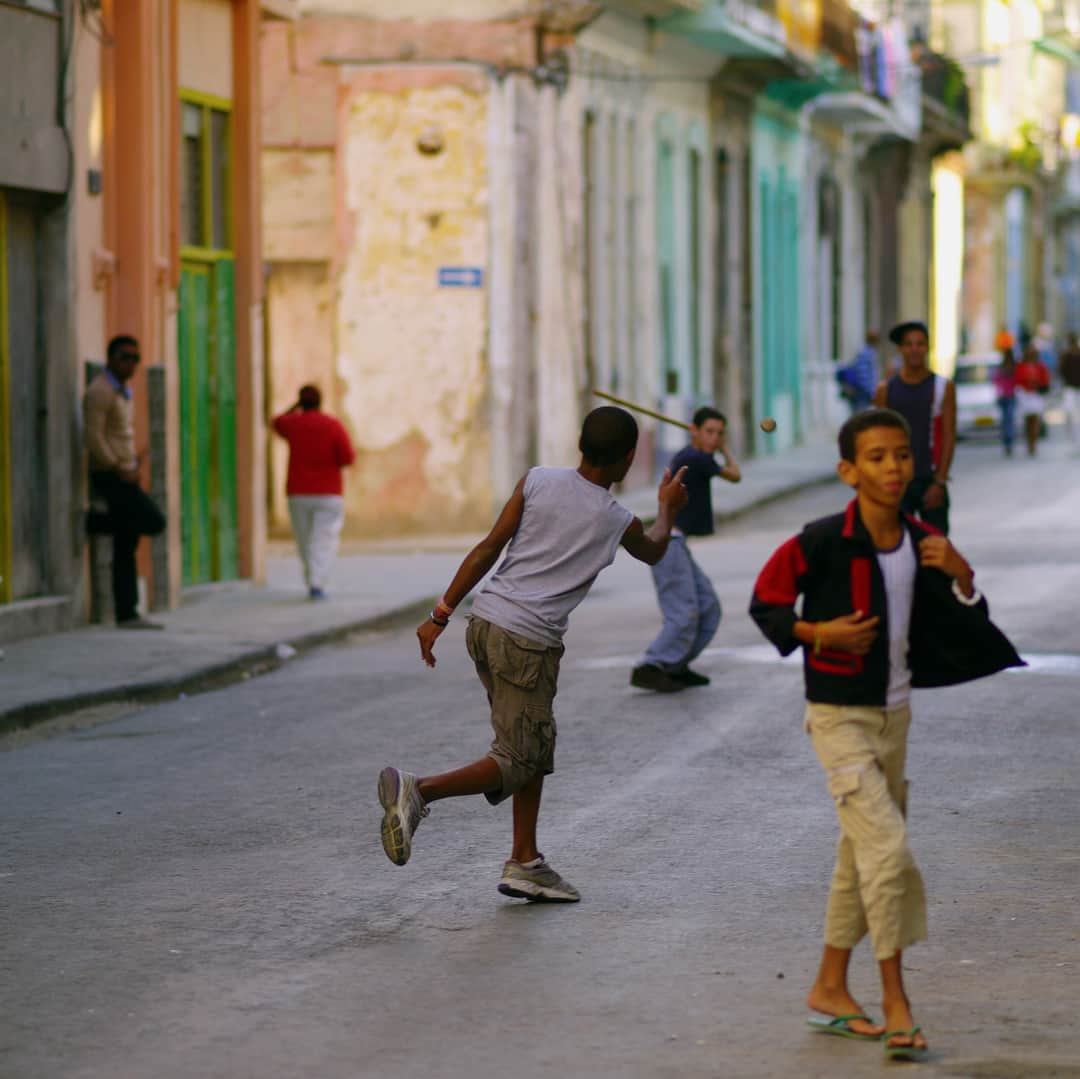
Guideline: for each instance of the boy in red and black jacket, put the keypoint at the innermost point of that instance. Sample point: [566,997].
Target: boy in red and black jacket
[888,604]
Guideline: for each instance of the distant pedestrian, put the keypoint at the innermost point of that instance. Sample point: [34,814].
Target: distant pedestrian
[319,448]
[688,602]
[563,527]
[1005,388]
[1044,345]
[1004,339]
[1069,369]
[1032,385]
[859,378]
[928,402]
[109,436]
[887,606]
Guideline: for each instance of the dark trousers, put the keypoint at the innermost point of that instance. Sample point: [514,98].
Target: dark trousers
[132,513]
[912,503]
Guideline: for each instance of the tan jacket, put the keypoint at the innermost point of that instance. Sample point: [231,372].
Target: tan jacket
[108,428]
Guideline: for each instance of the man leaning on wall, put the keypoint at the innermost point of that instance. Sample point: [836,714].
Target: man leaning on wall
[109,434]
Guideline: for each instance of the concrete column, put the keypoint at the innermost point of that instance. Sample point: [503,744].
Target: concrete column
[250,418]
[560,340]
[512,152]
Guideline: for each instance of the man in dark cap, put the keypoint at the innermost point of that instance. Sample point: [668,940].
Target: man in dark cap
[928,402]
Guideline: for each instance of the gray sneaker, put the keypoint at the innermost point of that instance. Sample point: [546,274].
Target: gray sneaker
[538,883]
[400,797]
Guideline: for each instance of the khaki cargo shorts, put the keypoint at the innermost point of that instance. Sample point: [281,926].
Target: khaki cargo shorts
[520,677]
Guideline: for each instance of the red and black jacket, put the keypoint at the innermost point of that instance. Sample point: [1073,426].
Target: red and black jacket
[832,564]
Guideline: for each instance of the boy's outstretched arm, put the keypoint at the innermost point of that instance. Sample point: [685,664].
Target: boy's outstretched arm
[649,546]
[474,567]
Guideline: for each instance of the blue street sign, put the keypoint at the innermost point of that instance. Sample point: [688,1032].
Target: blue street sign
[461,277]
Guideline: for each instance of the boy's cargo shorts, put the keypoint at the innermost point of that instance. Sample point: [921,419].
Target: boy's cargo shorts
[520,677]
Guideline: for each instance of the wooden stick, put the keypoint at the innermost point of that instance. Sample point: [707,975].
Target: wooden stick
[641,408]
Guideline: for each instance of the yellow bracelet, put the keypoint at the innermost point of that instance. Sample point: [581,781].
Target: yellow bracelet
[817,640]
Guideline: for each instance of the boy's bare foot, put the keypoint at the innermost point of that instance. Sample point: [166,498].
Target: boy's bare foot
[903,1034]
[834,1002]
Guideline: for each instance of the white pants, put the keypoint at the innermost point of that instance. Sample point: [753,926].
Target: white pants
[316,522]
[1071,401]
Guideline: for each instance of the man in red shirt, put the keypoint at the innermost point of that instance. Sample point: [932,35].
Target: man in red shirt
[319,448]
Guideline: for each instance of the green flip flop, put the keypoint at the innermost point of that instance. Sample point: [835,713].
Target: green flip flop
[839,1026]
[903,1052]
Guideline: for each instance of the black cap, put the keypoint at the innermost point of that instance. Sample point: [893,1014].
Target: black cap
[896,334]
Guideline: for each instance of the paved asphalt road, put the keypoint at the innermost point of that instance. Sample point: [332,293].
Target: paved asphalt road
[197,889]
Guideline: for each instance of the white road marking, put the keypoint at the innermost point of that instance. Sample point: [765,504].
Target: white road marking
[1037,662]
[750,653]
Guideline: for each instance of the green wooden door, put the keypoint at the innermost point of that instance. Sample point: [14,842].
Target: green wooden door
[207,356]
[207,343]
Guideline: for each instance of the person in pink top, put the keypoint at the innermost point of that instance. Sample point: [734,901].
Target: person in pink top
[319,448]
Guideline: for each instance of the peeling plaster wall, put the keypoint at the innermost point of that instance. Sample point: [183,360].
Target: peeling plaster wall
[411,356]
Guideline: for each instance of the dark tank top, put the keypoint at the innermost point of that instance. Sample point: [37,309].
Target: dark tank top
[915,402]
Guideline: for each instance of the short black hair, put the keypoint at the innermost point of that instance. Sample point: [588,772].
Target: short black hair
[896,334]
[310,397]
[863,421]
[706,413]
[607,435]
[121,342]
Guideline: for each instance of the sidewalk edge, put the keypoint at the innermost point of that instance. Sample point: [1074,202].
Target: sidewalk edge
[255,661]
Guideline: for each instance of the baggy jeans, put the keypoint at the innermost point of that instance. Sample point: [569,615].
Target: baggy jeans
[316,522]
[876,886]
[689,605]
[132,514]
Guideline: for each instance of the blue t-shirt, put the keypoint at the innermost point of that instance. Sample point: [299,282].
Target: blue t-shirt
[696,517]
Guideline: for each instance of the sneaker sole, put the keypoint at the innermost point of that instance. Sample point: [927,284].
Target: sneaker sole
[537,896]
[395,839]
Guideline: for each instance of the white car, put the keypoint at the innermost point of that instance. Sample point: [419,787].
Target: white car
[977,412]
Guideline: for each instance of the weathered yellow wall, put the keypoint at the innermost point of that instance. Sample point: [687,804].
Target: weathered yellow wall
[300,335]
[206,61]
[298,205]
[411,356]
[421,10]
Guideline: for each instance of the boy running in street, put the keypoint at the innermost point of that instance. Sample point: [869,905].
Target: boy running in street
[562,526]
[888,604]
[688,601]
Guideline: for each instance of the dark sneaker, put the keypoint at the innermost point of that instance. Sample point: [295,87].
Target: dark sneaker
[689,678]
[316,593]
[649,676]
[138,622]
[537,882]
[400,797]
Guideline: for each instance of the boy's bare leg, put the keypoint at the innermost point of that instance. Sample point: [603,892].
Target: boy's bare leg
[830,994]
[526,812]
[895,1002]
[480,777]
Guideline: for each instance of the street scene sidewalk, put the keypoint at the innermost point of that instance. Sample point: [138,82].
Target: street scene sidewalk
[232,631]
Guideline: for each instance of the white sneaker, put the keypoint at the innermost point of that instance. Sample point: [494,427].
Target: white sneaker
[400,797]
[537,882]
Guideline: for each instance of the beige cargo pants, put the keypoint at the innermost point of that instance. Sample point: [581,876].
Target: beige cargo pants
[876,885]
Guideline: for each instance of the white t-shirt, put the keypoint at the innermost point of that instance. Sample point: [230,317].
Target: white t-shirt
[570,530]
[898,568]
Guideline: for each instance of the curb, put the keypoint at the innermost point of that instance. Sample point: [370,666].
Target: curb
[252,663]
